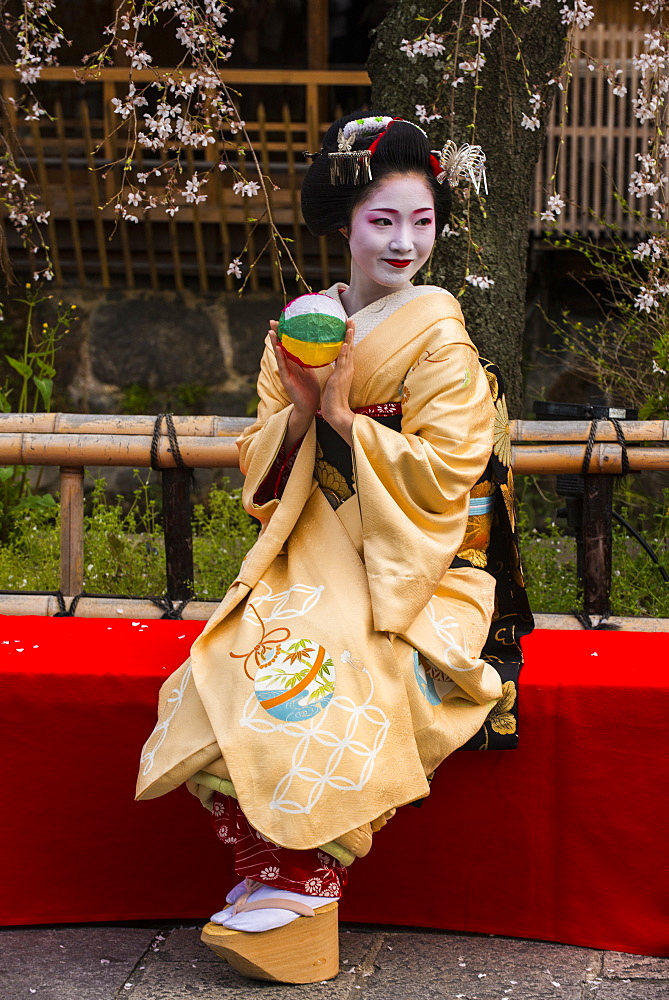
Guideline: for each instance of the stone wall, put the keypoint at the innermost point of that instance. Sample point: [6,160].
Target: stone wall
[143,351]
[180,351]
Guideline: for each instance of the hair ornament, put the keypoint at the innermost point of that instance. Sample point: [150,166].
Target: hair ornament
[352,166]
[467,162]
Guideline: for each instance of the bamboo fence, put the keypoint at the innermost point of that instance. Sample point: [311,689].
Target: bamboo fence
[73,441]
[72,157]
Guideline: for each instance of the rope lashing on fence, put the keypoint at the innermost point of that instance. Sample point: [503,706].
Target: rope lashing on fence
[63,610]
[624,458]
[172,612]
[174,443]
[586,621]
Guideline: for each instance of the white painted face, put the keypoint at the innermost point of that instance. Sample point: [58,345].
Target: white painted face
[392,233]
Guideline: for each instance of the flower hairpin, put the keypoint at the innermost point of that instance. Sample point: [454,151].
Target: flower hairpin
[466,162]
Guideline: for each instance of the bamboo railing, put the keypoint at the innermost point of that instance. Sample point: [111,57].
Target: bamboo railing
[73,441]
[595,147]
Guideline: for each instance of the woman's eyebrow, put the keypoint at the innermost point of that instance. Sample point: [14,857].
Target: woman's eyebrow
[395,211]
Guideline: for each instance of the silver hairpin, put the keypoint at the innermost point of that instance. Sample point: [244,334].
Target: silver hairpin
[465,162]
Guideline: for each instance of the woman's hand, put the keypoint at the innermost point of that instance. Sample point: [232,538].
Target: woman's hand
[334,403]
[303,389]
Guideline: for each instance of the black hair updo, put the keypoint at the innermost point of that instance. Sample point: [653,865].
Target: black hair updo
[401,149]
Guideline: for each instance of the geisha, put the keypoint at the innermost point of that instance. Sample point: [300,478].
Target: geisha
[352,654]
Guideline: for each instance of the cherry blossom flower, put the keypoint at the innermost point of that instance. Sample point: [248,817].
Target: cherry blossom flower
[479,280]
[532,123]
[655,249]
[555,204]
[235,267]
[424,117]
[483,27]
[429,45]
[645,300]
[580,14]
[473,66]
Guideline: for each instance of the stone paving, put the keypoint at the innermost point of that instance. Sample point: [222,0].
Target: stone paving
[377,963]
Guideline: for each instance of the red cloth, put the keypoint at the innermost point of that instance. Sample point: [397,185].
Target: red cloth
[312,873]
[563,839]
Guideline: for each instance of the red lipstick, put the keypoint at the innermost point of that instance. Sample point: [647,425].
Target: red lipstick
[397,263]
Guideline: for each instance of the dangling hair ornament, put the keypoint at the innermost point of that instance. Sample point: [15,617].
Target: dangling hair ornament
[467,162]
[352,166]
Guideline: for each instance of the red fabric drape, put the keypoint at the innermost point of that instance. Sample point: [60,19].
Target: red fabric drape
[563,839]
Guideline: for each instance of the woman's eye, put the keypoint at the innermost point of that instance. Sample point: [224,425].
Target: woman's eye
[424,222]
[381,222]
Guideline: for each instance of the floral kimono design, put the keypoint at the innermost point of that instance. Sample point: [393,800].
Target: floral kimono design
[344,664]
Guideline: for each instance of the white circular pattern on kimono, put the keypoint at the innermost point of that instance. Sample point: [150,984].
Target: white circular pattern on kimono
[295,681]
[354,732]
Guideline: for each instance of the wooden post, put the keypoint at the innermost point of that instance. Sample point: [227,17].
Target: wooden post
[317,34]
[69,194]
[95,193]
[597,543]
[71,530]
[178,532]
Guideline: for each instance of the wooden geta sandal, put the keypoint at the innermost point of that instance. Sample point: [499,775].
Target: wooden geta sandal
[303,951]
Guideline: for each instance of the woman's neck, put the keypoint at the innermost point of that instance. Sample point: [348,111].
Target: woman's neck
[362,291]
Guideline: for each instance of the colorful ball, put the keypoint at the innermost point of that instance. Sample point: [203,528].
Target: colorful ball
[312,330]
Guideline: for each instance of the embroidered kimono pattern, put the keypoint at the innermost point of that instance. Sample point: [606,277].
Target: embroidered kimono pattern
[343,666]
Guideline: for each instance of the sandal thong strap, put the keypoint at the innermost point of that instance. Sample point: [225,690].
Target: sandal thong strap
[244,902]
[277,904]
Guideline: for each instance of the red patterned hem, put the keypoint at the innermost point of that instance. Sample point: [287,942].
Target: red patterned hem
[375,410]
[311,873]
[380,410]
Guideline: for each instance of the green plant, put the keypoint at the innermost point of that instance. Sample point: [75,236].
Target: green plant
[549,562]
[137,399]
[125,553]
[30,382]
[124,550]
[223,534]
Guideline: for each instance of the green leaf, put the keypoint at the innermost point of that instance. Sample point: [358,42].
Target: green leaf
[42,502]
[115,545]
[5,406]
[45,388]
[6,472]
[23,369]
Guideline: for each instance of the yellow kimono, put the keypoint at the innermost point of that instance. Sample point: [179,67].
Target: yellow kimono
[343,666]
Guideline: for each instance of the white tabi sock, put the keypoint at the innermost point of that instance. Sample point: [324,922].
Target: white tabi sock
[264,920]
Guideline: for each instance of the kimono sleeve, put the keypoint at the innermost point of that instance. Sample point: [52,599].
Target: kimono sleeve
[414,486]
[261,443]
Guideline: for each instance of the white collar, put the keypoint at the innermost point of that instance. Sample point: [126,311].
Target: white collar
[369,317]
